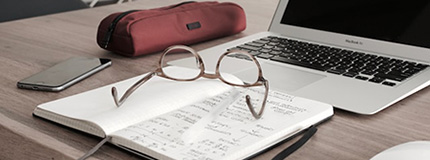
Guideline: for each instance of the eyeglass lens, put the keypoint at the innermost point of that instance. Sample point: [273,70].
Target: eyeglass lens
[178,75]
[241,66]
[244,74]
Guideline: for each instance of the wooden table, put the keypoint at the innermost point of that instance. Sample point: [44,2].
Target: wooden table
[31,45]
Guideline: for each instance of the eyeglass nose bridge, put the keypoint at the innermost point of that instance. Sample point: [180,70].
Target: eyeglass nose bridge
[210,75]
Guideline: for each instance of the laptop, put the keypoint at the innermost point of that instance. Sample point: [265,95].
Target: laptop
[384,47]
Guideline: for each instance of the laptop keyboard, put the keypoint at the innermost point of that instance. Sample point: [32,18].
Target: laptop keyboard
[353,64]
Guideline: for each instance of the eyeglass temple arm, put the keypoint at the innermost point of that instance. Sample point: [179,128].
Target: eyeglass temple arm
[130,90]
[263,105]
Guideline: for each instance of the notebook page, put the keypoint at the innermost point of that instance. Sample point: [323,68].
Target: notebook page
[157,96]
[224,134]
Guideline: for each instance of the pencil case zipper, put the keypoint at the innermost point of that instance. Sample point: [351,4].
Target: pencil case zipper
[114,23]
[112,26]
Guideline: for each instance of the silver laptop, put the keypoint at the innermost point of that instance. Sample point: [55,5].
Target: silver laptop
[382,51]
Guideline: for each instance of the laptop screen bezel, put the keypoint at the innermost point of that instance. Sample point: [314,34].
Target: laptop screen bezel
[415,53]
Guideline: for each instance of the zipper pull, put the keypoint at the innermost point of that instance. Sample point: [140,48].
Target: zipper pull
[108,35]
[112,26]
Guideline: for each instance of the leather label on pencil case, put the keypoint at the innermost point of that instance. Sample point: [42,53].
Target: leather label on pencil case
[194,25]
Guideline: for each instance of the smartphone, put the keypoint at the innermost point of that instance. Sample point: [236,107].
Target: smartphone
[64,74]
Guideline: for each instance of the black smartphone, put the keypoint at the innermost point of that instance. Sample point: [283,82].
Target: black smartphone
[64,74]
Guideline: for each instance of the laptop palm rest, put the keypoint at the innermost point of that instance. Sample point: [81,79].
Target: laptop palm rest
[287,79]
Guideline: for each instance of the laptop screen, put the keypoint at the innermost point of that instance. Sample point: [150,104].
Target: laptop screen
[399,21]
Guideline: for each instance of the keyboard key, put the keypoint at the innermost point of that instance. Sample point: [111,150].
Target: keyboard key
[390,76]
[261,41]
[275,52]
[376,79]
[265,50]
[265,55]
[252,48]
[268,47]
[254,44]
[361,78]
[336,71]
[350,74]
[389,83]
[255,53]
[368,72]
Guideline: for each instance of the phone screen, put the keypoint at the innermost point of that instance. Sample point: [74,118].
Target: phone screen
[64,74]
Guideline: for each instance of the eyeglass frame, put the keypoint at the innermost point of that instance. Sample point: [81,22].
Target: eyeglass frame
[261,81]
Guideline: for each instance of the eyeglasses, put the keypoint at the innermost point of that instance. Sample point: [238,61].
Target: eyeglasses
[200,72]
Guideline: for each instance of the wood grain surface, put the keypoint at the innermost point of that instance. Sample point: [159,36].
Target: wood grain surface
[31,45]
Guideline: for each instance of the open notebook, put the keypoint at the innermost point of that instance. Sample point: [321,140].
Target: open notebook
[202,119]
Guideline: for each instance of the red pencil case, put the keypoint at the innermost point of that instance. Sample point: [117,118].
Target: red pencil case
[140,32]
